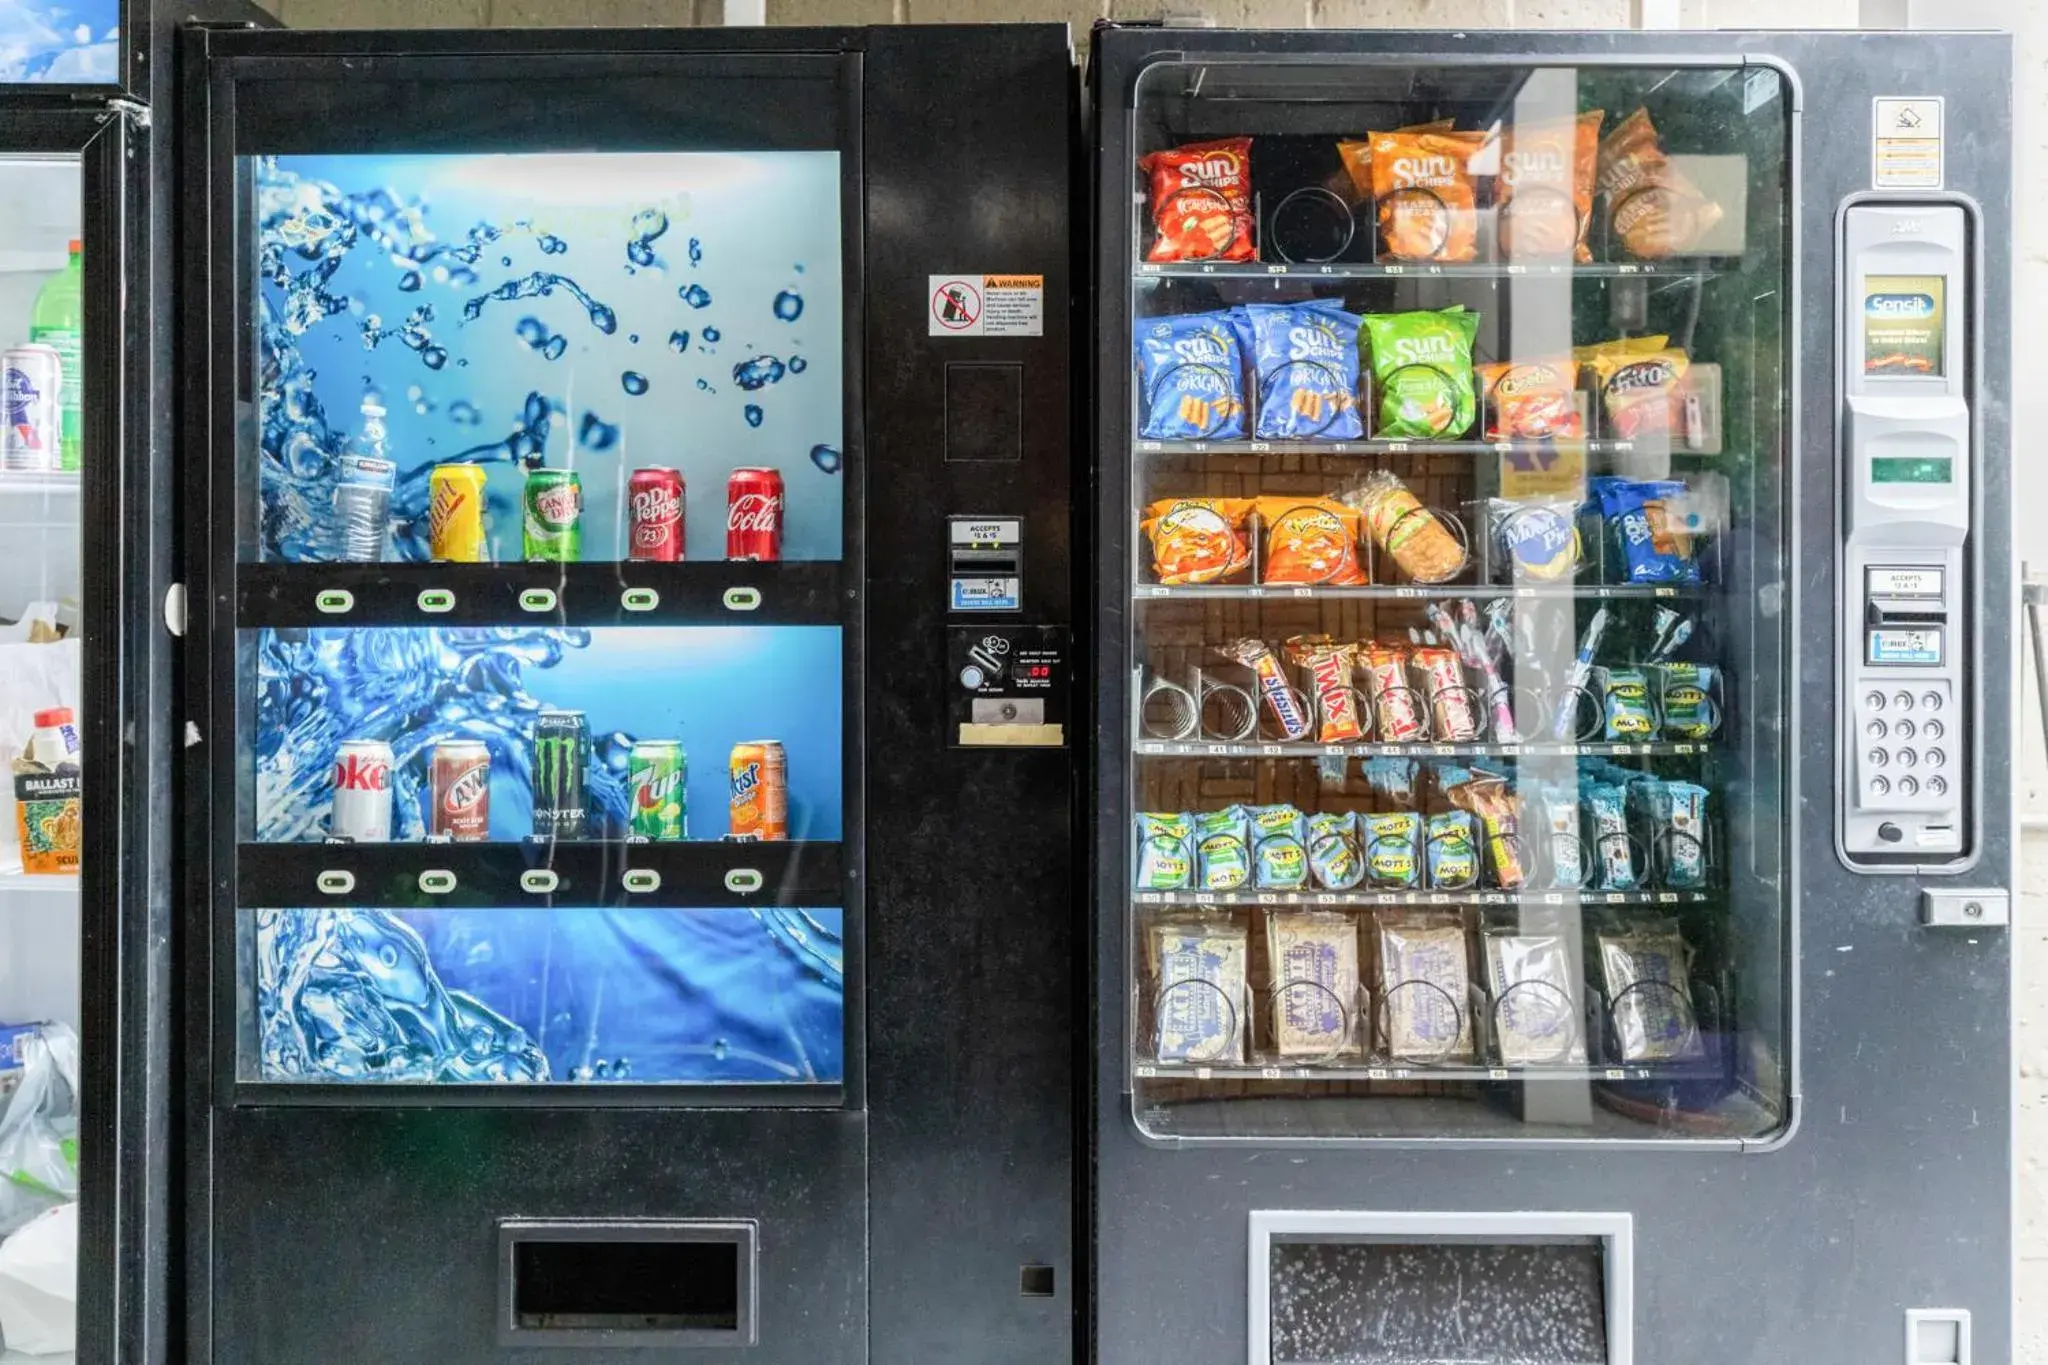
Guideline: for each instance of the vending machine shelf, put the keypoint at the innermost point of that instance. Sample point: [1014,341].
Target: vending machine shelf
[1156,748]
[1149,271]
[622,593]
[536,874]
[1381,592]
[1411,1073]
[1423,899]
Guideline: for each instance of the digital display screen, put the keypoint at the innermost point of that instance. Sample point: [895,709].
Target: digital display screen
[1904,317]
[1912,469]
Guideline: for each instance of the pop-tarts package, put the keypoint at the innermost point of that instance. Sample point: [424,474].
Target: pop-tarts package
[1191,377]
[1304,360]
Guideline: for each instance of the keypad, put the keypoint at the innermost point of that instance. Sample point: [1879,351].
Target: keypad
[1903,761]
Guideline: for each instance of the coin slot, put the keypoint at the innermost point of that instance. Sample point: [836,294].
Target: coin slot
[538,599]
[436,600]
[540,881]
[744,881]
[639,599]
[336,882]
[334,601]
[742,599]
[641,880]
[436,881]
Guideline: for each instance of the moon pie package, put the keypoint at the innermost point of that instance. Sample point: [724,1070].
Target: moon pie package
[1422,372]
[1545,189]
[1202,201]
[1536,541]
[1653,208]
[1304,357]
[1166,851]
[1223,849]
[1314,960]
[1198,540]
[1199,968]
[1425,988]
[1310,540]
[1424,192]
[1532,400]
[1191,373]
[1279,848]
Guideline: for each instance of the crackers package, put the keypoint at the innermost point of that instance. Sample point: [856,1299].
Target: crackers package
[1198,967]
[1425,989]
[1314,961]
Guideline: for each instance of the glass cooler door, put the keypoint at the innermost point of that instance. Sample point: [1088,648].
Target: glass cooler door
[1457,650]
[539,640]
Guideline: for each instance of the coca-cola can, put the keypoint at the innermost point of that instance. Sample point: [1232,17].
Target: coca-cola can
[654,515]
[460,786]
[753,514]
[362,792]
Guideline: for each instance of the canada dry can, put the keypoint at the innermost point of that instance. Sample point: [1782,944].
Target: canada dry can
[654,512]
[657,780]
[759,775]
[455,514]
[561,748]
[554,516]
[362,792]
[753,514]
[460,787]
[31,378]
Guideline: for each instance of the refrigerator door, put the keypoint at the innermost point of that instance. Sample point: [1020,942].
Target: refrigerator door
[533,384]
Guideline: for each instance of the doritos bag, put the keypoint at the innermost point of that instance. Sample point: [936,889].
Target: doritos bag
[1305,360]
[1202,201]
[1546,187]
[1652,207]
[1423,190]
[1191,372]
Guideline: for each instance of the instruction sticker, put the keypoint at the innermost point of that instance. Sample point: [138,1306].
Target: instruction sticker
[987,306]
[1906,142]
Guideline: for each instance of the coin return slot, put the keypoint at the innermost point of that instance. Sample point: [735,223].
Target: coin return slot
[742,599]
[743,881]
[631,1285]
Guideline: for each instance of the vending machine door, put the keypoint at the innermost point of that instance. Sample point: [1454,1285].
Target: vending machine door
[538,382]
[1485,896]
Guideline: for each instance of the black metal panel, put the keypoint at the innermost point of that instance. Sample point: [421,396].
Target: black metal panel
[1904,1139]
[971,1011]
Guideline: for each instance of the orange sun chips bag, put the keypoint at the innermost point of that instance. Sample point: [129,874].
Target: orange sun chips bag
[1423,191]
[1546,187]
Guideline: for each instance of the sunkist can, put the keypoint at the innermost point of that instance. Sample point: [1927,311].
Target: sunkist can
[561,747]
[362,792]
[455,514]
[657,787]
[459,784]
[654,515]
[759,777]
[31,378]
[554,516]
[753,514]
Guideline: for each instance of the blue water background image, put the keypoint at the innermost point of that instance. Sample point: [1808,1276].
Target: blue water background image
[78,43]
[388,273]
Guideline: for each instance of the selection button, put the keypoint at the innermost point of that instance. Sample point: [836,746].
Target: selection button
[336,882]
[437,881]
[334,601]
[436,601]
[538,599]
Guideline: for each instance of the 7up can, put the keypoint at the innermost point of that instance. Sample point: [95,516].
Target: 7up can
[657,781]
[554,516]
[561,745]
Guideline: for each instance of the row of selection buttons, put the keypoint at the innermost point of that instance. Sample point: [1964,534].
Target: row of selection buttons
[1904,701]
[1902,729]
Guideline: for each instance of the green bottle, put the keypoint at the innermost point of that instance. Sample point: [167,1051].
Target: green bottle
[59,321]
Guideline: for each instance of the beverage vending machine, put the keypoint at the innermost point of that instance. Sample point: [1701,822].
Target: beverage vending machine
[628,791]
[1554,697]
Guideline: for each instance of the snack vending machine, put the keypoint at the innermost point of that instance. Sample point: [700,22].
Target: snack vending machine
[628,784]
[1554,698]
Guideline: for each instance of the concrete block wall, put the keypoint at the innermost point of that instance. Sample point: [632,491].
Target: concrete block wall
[2027,18]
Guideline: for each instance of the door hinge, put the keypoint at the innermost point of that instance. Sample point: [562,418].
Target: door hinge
[135,112]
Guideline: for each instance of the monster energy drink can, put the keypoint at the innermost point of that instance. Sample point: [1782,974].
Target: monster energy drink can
[554,516]
[657,784]
[561,747]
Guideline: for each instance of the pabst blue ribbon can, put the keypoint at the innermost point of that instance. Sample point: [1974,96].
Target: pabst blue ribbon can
[753,514]
[654,515]
[362,792]
[460,787]
[30,380]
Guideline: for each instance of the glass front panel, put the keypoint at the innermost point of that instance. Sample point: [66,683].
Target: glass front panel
[41,587]
[1458,438]
[541,651]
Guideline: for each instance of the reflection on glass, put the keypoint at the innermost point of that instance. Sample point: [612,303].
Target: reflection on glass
[505,996]
[1454,780]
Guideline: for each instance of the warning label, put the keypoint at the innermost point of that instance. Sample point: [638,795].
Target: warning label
[987,305]
[1906,142]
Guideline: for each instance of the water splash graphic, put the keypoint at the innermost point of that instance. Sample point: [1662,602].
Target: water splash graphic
[696,295]
[540,284]
[757,373]
[596,433]
[647,226]
[797,364]
[711,334]
[553,245]
[827,458]
[754,414]
[410,281]
[464,411]
[534,333]
[679,342]
[696,252]
[789,305]
[633,382]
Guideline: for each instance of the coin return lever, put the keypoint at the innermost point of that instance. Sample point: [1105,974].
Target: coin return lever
[1906,390]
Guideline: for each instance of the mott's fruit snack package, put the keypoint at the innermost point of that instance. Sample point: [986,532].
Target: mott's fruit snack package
[1198,540]
[1654,209]
[1422,372]
[1545,189]
[1305,357]
[1202,201]
[1191,376]
[1424,193]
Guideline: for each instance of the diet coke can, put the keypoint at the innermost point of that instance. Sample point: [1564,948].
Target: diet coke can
[460,786]
[362,792]
[753,514]
[654,515]
[30,379]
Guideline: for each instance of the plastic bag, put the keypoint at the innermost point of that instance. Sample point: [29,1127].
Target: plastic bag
[39,1130]
[39,1285]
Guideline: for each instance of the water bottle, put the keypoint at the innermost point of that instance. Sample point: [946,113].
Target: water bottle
[59,321]
[362,493]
